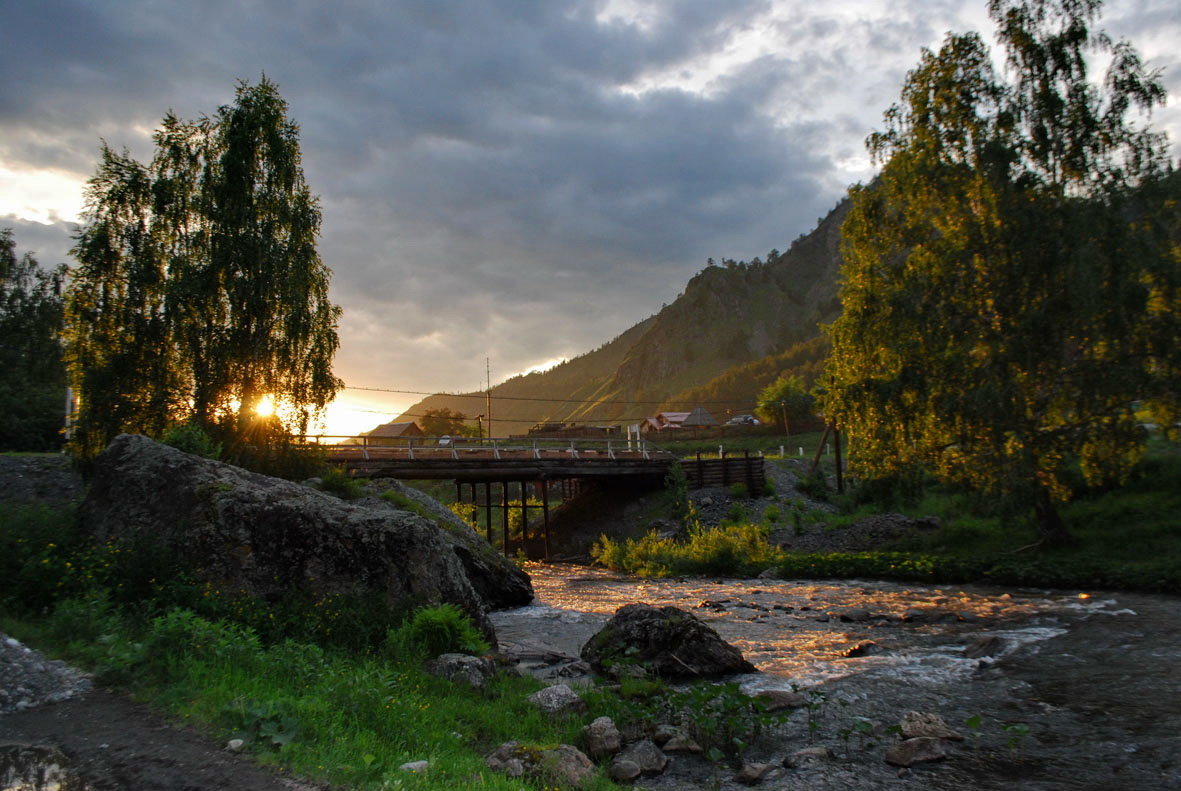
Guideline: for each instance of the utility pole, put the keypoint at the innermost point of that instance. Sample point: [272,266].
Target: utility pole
[488,394]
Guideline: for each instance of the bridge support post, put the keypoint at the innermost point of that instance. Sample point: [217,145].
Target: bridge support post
[487,511]
[504,515]
[545,516]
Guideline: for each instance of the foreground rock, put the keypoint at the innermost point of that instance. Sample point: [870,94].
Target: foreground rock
[501,583]
[563,764]
[475,671]
[666,641]
[264,537]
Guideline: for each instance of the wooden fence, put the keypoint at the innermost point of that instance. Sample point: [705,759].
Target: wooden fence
[726,471]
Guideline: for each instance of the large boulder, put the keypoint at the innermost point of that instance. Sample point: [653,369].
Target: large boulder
[267,537]
[666,641]
[498,580]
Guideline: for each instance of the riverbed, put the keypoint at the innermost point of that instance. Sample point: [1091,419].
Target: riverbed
[1050,689]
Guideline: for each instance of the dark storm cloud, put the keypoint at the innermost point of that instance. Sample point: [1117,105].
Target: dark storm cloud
[493,180]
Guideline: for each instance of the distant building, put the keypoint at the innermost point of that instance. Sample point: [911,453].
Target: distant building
[698,418]
[391,433]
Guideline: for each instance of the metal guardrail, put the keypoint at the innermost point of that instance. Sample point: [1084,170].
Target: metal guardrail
[497,448]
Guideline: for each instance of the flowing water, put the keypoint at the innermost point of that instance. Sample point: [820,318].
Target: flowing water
[1067,690]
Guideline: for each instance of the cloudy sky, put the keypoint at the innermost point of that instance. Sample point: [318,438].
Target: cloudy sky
[516,180]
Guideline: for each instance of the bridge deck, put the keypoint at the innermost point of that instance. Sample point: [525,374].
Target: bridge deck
[489,460]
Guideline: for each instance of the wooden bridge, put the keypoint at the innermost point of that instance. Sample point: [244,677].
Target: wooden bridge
[534,468]
[465,459]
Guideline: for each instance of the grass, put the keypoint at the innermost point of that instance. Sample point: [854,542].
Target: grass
[769,444]
[1126,538]
[347,719]
[332,690]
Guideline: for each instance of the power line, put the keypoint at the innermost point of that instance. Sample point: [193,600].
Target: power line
[539,400]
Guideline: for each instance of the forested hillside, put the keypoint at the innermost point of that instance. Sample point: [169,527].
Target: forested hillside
[736,327]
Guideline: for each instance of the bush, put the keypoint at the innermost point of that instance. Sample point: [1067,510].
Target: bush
[431,631]
[191,438]
[336,481]
[731,550]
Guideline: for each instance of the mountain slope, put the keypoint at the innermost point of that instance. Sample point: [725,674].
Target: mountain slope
[729,316]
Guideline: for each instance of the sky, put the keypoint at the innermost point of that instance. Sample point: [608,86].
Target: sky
[505,183]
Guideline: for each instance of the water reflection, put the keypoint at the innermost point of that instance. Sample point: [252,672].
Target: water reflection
[25,768]
[802,633]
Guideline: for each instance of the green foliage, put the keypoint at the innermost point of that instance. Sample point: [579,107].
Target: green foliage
[198,293]
[785,402]
[719,717]
[32,374]
[443,421]
[336,480]
[738,491]
[191,438]
[676,490]
[1010,283]
[730,550]
[443,629]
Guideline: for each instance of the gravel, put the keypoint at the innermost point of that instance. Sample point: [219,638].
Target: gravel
[28,679]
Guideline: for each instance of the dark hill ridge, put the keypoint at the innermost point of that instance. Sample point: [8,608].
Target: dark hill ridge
[732,315]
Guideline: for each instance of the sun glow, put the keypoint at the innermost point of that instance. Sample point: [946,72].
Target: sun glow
[265,406]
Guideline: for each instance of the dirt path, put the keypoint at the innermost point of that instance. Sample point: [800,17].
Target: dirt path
[114,744]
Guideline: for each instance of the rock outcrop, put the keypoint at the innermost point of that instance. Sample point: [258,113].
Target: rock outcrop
[500,582]
[666,642]
[266,537]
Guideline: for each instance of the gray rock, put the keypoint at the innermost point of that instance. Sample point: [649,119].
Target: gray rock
[668,641]
[913,751]
[265,537]
[602,738]
[681,743]
[752,773]
[556,699]
[777,699]
[646,755]
[808,755]
[415,767]
[475,671]
[665,731]
[623,771]
[852,615]
[988,645]
[235,745]
[863,648]
[564,764]
[917,724]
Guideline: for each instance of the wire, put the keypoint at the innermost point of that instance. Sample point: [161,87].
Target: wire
[539,400]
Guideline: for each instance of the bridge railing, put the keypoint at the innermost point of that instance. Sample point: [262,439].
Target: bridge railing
[483,447]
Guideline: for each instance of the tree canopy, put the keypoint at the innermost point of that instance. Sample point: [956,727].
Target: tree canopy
[32,376]
[786,402]
[199,292]
[1011,287]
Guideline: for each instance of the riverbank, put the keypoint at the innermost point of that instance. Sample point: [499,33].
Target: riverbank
[1126,538]
[1050,693]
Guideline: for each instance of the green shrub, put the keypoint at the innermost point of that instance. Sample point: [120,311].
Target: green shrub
[191,438]
[335,480]
[442,629]
[738,491]
[731,550]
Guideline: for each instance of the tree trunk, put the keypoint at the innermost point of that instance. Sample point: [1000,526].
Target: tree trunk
[1049,521]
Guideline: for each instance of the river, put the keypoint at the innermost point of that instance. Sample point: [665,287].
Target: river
[1051,689]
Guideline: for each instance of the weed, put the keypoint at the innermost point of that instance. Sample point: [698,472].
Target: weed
[335,480]
[436,630]
[191,438]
